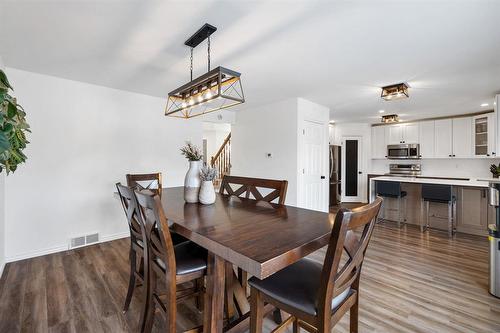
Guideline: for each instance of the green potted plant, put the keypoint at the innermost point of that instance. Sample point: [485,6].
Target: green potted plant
[13,128]
[495,170]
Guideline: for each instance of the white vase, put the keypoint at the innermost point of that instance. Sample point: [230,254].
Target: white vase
[207,192]
[192,182]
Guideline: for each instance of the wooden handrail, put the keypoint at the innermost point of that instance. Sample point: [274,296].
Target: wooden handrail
[222,159]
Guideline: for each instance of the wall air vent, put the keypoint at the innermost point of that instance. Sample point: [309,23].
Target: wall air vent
[83,240]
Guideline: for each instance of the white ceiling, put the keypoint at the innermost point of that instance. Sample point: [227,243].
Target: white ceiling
[336,53]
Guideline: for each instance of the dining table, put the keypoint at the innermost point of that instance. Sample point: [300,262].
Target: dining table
[259,237]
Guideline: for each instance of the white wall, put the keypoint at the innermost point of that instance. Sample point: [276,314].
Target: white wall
[271,129]
[85,139]
[364,131]
[2,209]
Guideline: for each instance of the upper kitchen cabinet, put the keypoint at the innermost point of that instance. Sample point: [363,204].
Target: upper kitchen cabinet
[483,135]
[443,132]
[453,138]
[462,137]
[379,144]
[402,133]
[426,134]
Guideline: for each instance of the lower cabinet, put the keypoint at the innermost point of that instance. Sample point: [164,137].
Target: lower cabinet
[473,211]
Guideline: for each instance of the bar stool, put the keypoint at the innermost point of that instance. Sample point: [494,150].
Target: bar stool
[438,193]
[390,189]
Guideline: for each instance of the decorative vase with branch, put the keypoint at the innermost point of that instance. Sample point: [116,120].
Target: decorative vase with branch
[207,191]
[192,180]
[13,128]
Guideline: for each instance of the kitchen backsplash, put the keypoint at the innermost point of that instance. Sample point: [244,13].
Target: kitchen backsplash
[469,168]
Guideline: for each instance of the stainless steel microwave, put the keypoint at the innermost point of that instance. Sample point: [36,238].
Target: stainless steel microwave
[403,151]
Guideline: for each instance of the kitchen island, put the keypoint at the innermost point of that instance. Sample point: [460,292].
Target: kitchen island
[472,210]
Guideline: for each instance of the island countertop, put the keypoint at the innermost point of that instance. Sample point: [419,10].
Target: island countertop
[421,180]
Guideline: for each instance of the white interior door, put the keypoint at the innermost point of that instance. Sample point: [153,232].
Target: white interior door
[352,169]
[315,167]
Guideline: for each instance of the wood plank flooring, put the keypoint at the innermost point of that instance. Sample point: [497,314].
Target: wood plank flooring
[411,282]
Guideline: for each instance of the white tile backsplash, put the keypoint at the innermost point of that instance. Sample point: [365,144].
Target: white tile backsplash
[467,168]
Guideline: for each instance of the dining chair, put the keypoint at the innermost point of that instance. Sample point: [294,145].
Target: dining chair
[317,296]
[168,263]
[252,188]
[249,188]
[148,181]
[138,244]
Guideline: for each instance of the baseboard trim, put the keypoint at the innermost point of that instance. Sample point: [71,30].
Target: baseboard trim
[62,248]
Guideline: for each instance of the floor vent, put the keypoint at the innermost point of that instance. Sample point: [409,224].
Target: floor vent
[83,240]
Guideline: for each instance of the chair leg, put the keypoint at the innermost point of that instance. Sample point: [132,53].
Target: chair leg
[131,282]
[146,291]
[450,219]
[150,305]
[256,311]
[353,317]
[199,289]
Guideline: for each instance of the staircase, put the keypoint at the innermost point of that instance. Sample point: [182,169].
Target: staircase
[222,160]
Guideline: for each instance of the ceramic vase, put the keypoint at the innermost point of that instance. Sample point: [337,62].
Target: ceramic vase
[207,192]
[192,182]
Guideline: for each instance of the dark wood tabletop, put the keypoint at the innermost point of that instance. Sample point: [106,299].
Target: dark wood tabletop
[259,237]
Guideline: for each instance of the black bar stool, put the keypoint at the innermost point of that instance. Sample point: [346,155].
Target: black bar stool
[389,189]
[438,193]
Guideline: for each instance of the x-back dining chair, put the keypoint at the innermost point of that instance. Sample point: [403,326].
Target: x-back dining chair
[145,181]
[249,188]
[170,264]
[317,296]
[252,188]
[138,247]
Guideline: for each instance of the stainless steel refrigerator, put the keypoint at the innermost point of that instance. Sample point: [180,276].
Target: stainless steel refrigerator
[335,174]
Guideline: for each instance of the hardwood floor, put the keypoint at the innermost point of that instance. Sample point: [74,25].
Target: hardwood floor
[411,282]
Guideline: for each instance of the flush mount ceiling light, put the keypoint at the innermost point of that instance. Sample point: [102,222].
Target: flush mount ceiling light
[217,89]
[395,91]
[390,118]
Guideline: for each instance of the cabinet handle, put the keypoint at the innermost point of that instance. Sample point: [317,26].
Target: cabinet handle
[449,155]
[487,154]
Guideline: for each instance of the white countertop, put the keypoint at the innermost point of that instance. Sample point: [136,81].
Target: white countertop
[471,182]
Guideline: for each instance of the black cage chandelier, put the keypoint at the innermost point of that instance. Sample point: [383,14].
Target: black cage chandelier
[217,89]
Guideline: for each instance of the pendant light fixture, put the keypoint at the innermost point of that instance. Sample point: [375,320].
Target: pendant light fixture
[395,91]
[217,89]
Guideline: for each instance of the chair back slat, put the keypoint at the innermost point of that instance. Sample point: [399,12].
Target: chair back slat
[251,186]
[131,209]
[153,182]
[335,280]
[157,232]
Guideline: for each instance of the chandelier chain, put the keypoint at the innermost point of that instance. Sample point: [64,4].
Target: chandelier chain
[208,51]
[191,66]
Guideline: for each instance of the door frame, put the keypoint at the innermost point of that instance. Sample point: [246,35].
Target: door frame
[360,196]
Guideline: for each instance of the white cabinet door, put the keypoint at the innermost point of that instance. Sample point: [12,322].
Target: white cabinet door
[379,147]
[462,137]
[443,134]
[492,134]
[426,130]
[395,134]
[410,133]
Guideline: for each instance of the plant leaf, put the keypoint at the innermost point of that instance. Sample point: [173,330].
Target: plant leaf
[4,143]
[4,81]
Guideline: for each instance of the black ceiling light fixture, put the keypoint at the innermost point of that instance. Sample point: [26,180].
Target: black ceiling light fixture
[217,89]
[395,91]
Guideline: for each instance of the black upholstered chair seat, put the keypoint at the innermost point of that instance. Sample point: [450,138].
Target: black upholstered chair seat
[297,286]
[189,258]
